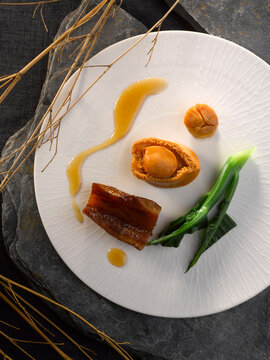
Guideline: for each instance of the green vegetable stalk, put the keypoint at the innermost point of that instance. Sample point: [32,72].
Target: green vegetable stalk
[196,219]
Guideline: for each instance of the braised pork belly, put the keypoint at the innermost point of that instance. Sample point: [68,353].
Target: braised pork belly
[127,217]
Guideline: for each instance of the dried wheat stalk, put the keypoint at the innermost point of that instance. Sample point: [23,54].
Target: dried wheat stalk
[105,8]
[14,301]
[30,2]
[7,288]
[13,79]
[88,41]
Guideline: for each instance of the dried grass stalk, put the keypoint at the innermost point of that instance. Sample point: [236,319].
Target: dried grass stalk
[5,356]
[79,347]
[7,284]
[34,326]
[30,2]
[37,136]
[18,76]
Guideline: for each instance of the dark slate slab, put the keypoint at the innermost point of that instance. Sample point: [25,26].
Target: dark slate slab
[244,22]
[235,334]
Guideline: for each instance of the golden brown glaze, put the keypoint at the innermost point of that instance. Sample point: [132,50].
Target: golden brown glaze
[126,108]
[117,257]
[201,121]
[127,217]
[185,170]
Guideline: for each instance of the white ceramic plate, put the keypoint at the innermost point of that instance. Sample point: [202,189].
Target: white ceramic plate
[199,69]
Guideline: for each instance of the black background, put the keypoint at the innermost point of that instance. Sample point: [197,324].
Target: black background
[22,37]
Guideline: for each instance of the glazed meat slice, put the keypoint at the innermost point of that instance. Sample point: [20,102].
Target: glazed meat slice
[127,217]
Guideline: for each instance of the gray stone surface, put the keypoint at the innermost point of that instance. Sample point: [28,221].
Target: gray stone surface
[244,22]
[239,333]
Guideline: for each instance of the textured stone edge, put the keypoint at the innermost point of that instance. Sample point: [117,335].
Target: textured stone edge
[8,206]
[7,203]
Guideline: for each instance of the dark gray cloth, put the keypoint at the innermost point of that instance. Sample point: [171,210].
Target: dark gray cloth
[21,39]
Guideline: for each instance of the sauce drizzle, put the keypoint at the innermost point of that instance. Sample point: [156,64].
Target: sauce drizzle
[126,108]
[117,257]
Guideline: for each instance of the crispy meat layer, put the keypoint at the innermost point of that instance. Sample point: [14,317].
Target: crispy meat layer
[127,217]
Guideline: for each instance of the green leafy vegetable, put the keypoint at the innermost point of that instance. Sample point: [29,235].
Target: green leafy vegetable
[219,225]
[224,227]
[196,219]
